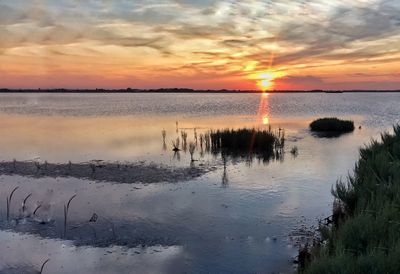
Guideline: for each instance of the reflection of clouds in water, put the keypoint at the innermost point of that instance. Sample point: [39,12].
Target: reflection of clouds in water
[25,251]
[181,212]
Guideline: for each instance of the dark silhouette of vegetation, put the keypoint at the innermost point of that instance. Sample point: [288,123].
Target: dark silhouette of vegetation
[332,125]
[175,145]
[294,151]
[246,140]
[264,144]
[364,236]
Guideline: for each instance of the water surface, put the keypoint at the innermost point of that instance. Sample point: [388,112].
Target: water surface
[233,220]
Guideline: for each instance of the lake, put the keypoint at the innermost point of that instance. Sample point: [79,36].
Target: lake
[141,208]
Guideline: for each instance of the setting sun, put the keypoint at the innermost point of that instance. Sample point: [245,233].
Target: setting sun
[265,84]
[265,79]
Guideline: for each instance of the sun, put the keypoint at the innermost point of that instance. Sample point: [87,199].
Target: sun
[265,84]
[265,120]
[265,79]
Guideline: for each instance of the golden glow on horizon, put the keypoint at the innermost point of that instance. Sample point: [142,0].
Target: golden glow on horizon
[265,79]
[265,120]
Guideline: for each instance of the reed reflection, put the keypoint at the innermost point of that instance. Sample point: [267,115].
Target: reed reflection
[225,180]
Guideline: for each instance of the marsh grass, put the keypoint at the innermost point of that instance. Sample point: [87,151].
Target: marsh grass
[240,142]
[366,239]
[294,151]
[43,265]
[23,208]
[184,136]
[37,164]
[175,145]
[192,148]
[332,124]
[207,141]
[92,168]
[195,135]
[9,199]
[36,209]
[66,209]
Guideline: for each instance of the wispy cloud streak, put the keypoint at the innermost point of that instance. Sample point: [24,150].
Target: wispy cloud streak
[196,43]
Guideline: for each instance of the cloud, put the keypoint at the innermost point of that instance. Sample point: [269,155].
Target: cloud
[307,82]
[206,37]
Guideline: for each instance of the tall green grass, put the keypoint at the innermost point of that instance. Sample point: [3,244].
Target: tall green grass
[332,125]
[367,239]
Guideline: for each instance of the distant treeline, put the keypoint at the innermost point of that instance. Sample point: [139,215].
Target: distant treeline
[176,90]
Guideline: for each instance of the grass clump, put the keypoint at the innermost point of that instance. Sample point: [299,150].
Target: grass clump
[332,125]
[367,237]
[247,141]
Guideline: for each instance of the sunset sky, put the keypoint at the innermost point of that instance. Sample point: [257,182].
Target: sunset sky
[207,44]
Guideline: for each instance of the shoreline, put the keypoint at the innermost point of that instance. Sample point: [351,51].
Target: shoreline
[362,231]
[113,172]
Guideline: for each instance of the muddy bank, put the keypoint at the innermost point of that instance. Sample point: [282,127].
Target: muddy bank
[115,172]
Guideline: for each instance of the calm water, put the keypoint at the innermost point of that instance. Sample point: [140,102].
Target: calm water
[233,221]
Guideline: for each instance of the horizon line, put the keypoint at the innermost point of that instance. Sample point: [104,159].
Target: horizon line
[177,90]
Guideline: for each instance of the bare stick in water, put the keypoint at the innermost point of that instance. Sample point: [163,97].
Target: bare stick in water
[43,265]
[9,202]
[66,209]
[36,209]
[24,202]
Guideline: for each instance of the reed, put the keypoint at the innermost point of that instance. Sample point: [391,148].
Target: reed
[332,124]
[294,151]
[24,202]
[66,209]
[175,145]
[43,265]
[36,209]
[192,148]
[92,167]
[184,139]
[207,141]
[201,140]
[164,134]
[37,164]
[9,199]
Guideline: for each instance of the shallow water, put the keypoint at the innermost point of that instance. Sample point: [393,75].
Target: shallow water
[237,221]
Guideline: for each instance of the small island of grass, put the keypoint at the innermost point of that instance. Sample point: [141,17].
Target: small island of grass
[244,141]
[332,124]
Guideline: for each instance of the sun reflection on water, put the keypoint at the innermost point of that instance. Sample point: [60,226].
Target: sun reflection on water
[263,117]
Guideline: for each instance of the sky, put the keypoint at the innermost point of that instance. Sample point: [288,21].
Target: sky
[207,44]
